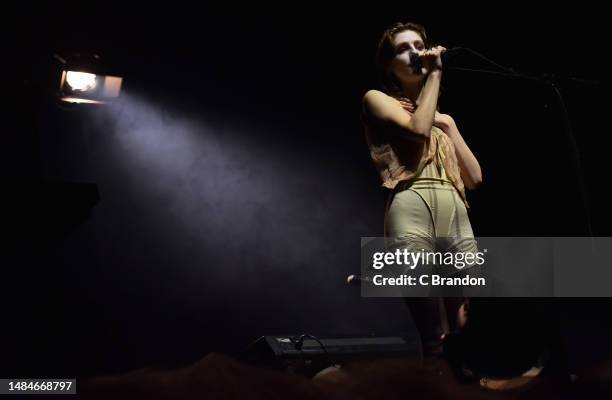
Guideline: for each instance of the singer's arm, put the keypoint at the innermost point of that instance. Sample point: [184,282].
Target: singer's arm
[468,164]
[388,111]
[423,117]
[385,112]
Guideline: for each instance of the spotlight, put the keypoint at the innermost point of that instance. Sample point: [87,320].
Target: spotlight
[83,80]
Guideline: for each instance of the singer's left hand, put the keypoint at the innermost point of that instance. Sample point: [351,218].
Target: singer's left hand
[442,121]
[407,105]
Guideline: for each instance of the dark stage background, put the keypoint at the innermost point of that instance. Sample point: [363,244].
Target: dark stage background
[234,181]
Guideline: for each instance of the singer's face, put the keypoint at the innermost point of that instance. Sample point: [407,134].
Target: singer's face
[408,44]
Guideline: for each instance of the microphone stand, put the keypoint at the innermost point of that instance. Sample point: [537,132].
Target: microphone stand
[552,82]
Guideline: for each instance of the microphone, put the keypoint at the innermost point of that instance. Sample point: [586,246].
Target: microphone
[417,62]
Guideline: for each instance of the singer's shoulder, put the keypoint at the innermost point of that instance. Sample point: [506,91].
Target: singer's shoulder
[379,106]
[374,99]
[375,95]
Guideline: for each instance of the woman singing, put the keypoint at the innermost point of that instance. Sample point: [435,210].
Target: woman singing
[425,163]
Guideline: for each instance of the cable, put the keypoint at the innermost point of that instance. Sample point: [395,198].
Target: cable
[576,153]
[479,55]
[300,342]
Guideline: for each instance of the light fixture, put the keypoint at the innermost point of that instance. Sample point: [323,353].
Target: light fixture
[80,81]
[84,81]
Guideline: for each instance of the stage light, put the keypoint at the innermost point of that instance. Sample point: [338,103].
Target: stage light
[81,81]
[85,87]
[84,80]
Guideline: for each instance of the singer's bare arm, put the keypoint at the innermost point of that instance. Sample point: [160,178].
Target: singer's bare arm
[468,164]
[384,112]
[389,113]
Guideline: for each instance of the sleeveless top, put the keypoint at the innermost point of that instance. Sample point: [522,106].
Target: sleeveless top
[400,159]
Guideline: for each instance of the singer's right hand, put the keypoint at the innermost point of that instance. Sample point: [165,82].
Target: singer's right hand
[431,58]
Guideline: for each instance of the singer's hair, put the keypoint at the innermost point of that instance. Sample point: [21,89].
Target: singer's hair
[386,52]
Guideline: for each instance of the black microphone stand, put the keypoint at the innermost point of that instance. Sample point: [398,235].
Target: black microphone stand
[551,81]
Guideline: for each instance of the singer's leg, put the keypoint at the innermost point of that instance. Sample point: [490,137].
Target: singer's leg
[410,223]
